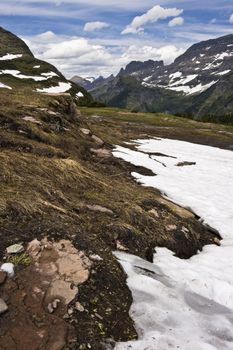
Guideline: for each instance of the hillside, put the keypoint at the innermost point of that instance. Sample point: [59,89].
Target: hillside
[21,71]
[198,83]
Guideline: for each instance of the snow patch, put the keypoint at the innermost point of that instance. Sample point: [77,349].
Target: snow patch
[185,304]
[3,86]
[60,88]
[9,57]
[19,75]
[192,90]
[79,94]
[224,72]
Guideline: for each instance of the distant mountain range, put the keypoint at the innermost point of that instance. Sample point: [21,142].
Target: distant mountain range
[199,83]
[21,71]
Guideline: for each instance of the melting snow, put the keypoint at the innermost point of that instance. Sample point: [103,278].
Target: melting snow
[224,72]
[50,74]
[60,88]
[79,94]
[17,74]
[5,86]
[184,81]
[175,75]
[185,304]
[9,56]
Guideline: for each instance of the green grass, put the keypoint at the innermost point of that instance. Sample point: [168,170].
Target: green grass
[157,119]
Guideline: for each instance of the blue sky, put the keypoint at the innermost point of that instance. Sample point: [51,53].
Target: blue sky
[90,37]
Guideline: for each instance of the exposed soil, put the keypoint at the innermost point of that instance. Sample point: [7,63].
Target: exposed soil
[53,185]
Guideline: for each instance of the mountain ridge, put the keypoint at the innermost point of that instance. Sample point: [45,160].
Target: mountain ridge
[187,86]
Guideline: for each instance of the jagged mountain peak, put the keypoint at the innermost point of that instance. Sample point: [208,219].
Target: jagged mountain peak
[202,73]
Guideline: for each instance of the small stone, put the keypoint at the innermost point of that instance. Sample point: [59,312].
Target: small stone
[97,140]
[70,312]
[154,213]
[55,303]
[32,120]
[120,246]
[3,306]
[2,277]
[8,268]
[95,257]
[217,241]
[79,307]
[171,227]
[50,308]
[15,249]
[85,131]
[34,248]
[99,208]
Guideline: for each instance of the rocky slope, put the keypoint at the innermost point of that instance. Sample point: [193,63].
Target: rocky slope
[21,71]
[198,83]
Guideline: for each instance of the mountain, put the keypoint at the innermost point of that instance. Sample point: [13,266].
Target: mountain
[90,83]
[198,83]
[21,71]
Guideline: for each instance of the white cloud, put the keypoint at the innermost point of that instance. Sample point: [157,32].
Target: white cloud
[46,35]
[153,15]
[77,55]
[231,18]
[177,21]
[92,26]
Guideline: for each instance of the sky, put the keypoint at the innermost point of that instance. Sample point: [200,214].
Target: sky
[91,38]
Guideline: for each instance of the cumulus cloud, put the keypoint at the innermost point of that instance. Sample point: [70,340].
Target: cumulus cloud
[177,21]
[231,18]
[78,55]
[46,35]
[153,15]
[92,26]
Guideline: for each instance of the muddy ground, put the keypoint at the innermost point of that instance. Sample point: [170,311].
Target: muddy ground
[60,182]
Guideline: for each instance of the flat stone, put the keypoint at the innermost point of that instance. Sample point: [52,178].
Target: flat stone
[32,120]
[79,307]
[102,152]
[3,276]
[3,306]
[97,140]
[182,212]
[63,290]
[100,209]
[15,249]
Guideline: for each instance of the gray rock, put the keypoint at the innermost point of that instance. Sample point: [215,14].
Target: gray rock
[97,140]
[15,249]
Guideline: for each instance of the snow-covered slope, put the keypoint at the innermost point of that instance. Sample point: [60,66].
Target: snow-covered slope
[185,304]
